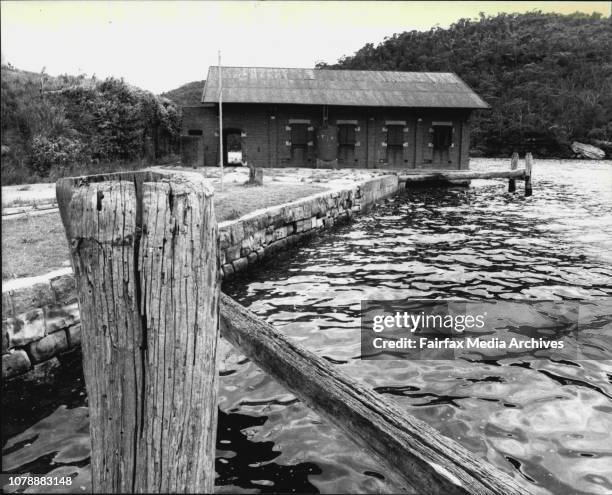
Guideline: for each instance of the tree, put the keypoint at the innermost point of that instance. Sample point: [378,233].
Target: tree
[547,77]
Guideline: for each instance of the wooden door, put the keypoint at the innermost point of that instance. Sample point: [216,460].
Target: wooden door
[442,141]
[347,137]
[299,145]
[395,146]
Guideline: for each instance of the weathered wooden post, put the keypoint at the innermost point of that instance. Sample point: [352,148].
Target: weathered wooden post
[144,252]
[513,165]
[528,168]
[255,176]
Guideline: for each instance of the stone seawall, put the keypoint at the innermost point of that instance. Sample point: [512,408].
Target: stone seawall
[40,320]
[254,236]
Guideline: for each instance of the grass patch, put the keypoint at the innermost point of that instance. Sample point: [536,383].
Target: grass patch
[35,245]
[16,203]
[237,200]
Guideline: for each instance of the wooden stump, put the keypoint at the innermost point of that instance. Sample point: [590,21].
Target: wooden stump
[528,169]
[255,176]
[144,252]
[513,165]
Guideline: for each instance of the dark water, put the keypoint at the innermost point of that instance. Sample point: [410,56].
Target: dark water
[547,422]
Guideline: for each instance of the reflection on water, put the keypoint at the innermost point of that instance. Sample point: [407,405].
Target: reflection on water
[548,422]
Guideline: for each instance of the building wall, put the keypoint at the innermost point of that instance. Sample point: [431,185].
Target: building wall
[266,135]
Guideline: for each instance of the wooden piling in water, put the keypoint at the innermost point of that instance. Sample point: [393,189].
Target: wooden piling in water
[528,170]
[144,252]
[513,166]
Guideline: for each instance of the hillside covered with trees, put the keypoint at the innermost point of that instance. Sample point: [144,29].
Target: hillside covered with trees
[54,126]
[189,94]
[547,77]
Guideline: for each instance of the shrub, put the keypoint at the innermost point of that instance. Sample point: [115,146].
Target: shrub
[15,173]
[55,152]
[52,127]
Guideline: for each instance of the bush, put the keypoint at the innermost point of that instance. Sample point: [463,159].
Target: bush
[601,133]
[13,173]
[59,152]
[66,125]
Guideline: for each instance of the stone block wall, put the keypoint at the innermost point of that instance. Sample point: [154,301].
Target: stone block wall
[38,322]
[251,238]
[41,321]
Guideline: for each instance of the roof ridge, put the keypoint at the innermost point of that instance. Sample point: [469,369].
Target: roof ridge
[329,70]
[351,89]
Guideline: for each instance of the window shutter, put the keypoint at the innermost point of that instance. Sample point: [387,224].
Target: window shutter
[285,145]
[346,135]
[442,137]
[407,150]
[381,149]
[395,135]
[310,145]
[299,135]
[428,145]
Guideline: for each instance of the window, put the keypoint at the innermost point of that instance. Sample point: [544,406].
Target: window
[194,132]
[299,135]
[395,136]
[442,136]
[346,135]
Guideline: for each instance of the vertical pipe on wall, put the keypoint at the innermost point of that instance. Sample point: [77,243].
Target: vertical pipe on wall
[458,140]
[367,142]
[416,126]
[276,145]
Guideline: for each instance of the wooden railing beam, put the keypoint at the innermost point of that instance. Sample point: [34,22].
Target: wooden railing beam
[415,454]
[462,175]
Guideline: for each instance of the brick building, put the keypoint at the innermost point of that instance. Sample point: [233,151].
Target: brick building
[332,118]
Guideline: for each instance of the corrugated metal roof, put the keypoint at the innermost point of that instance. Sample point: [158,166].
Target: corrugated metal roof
[340,87]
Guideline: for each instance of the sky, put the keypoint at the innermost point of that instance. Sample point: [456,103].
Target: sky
[159,45]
